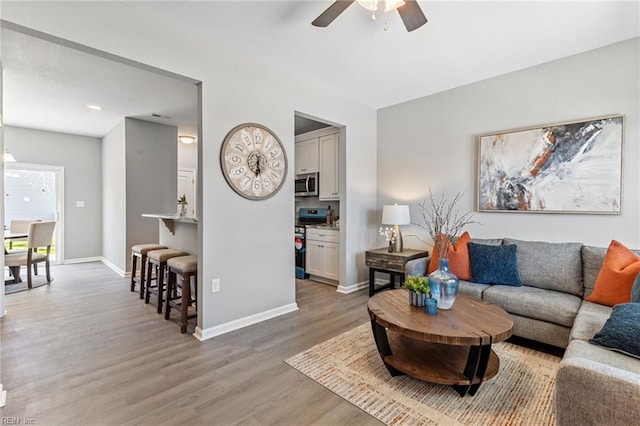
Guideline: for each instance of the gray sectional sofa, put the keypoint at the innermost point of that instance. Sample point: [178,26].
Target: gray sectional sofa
[593,385]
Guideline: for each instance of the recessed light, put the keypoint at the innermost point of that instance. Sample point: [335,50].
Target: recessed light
[187,139]
[95,107]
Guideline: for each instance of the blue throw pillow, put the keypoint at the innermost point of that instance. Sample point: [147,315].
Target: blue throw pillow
[621,332]
[635,290]
[494,264]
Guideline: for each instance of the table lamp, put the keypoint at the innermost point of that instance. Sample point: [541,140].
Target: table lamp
[396,215]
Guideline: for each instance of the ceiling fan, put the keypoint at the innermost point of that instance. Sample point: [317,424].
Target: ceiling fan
[409,11]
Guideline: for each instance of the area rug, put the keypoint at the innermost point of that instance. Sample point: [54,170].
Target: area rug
[22,286]
[350,366]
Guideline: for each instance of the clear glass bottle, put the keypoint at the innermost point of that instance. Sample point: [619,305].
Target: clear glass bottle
[444,285]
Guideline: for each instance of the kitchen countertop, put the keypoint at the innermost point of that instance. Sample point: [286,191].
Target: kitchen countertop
[324,226]
[173,217]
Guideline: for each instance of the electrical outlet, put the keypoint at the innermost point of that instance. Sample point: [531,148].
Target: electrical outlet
[215,285]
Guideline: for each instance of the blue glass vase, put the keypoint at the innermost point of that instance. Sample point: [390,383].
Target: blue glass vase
[444,285]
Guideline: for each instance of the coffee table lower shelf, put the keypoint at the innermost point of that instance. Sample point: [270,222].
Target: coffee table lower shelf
[435,362]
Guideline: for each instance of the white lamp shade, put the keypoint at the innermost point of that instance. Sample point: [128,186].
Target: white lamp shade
[396,215]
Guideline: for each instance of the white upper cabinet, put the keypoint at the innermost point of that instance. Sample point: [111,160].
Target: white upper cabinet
[306,156]
[329,168]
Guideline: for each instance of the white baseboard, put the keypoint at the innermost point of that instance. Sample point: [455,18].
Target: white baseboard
[217,330]
[346,289]
[3,397]
[114,268]
[83,260]
[323,280]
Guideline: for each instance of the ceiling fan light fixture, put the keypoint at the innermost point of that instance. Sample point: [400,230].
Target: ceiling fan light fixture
[390,5]
[369,4]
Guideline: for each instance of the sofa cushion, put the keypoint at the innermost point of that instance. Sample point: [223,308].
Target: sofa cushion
[493,264]
[532,302]
[585,350]
[541,331]
[458,258]
[592,258]
[553,266]
[615,279]
[621,332]
[472,289]
[487,241]
[590,319]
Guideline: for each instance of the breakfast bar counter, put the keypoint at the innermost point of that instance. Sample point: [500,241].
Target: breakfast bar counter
[176,232]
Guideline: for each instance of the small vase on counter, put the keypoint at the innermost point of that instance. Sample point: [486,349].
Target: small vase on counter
[182,202]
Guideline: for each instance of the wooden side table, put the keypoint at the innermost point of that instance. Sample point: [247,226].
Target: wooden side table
[392,263]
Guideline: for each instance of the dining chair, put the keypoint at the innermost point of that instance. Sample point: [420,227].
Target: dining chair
[19,226]
[40,236]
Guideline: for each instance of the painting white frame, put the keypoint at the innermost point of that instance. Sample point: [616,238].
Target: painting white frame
[570,167]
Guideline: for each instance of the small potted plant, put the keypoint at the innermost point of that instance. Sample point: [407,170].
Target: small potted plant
[418,289]
[182,202]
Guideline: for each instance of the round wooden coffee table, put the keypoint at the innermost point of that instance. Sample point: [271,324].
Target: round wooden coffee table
[450,348]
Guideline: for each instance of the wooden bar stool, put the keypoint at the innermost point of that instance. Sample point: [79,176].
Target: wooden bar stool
[158,259]
[140,251]
[181,269]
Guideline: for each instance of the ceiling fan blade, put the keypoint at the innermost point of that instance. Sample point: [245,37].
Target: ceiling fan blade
[331,13]
[412,15]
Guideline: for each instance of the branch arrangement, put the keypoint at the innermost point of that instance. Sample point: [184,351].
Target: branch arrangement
[442,220]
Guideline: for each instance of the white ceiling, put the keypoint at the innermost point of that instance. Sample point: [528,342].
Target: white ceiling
[47,85]
[463,42]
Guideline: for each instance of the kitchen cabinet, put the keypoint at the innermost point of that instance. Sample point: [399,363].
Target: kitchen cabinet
[323,253]
[306,156]
[329,168]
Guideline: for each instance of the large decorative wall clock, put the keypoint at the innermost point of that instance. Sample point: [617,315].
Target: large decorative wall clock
[253,161]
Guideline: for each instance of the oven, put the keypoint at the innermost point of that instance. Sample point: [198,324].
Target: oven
[306,216]
[306,185]
[301,252]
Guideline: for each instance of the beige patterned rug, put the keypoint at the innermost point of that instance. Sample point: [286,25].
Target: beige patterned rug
[350,366]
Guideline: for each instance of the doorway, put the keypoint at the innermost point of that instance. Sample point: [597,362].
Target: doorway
[187,187]
[36,191]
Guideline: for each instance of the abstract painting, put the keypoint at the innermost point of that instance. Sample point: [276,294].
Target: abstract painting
[562,168]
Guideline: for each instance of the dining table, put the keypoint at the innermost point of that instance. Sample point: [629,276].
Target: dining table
[15,271]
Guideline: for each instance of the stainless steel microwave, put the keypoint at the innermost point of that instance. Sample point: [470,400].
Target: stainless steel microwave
[306,185]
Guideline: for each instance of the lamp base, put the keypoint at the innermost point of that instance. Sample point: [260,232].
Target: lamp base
[397,244]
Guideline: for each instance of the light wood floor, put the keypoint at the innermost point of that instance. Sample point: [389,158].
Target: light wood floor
[86,351]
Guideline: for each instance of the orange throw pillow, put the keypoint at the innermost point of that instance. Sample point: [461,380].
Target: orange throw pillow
[458,258]
[615,279]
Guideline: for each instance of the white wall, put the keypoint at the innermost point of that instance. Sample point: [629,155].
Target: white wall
[247,244]
[114,198]
[1,183]
[81,158]
[151,179]
[139,163]
[187,155]
[431,141]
